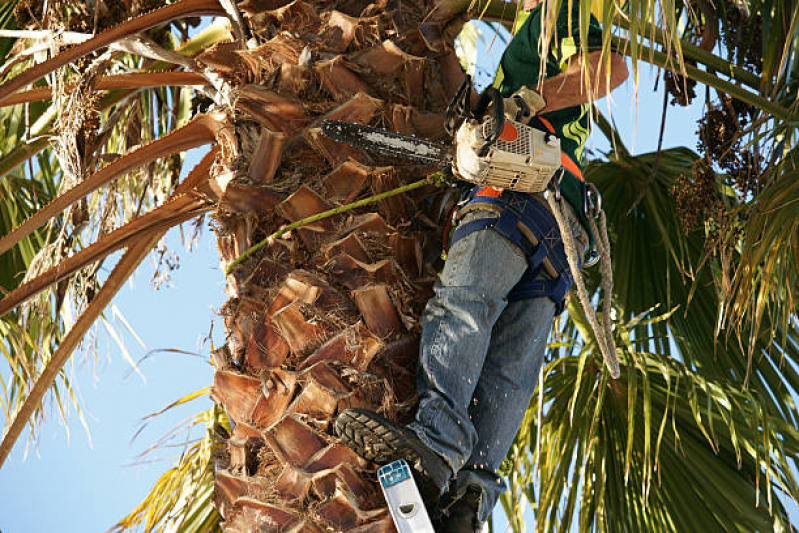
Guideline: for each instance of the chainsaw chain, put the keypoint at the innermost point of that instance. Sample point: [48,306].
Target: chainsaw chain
[389,142]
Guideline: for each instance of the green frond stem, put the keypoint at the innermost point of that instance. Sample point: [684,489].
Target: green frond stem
[496,10]
[668,62]
[697,54]
[435,179]
[791,41]
[122,271]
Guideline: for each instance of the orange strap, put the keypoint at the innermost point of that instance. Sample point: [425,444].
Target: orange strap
[565,160]
[490,192]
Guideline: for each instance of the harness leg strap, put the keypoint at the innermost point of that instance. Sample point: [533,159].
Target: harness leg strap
[507,224]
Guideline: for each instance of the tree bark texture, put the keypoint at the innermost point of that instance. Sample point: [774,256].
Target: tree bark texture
[328,318]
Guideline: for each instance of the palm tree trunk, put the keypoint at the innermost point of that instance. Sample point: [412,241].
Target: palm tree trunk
[328,318]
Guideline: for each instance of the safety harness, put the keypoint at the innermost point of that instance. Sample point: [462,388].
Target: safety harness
[528,224]
[543,233]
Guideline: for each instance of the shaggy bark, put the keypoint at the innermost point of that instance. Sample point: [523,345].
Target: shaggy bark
[328,318]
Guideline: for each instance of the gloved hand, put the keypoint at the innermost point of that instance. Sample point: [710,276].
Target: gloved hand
[533,100]
[468,166]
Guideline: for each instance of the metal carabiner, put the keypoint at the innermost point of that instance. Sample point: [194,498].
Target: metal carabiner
[593,258]
[592,200]
[553,187]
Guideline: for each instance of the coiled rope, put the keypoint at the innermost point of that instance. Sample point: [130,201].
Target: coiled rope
[604,333]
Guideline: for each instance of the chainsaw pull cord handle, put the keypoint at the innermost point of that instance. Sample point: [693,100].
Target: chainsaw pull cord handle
[491,97]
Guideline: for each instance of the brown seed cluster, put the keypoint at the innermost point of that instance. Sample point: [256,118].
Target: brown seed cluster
[743,37]
[720,141]
[696,195]
[27,12]
[719,134]
[726,159]
[746,173]
[682,89]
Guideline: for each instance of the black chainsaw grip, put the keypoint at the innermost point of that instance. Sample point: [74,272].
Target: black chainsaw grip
[490,97]
[459,108]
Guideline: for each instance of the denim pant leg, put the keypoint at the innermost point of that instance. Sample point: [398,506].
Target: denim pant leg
[469,296]
[509,378]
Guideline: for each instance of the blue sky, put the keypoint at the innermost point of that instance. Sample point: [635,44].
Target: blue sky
[80,485]
[74,485]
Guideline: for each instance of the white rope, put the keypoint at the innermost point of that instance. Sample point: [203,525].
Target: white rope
[603,245]
[604,339]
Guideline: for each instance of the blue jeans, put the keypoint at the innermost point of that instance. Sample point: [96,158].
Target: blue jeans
[479,360]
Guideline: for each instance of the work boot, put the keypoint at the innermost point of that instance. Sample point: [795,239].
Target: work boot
[461,516]
[381,441]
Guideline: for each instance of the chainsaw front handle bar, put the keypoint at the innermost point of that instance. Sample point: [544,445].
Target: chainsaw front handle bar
[460,109]
[491,98]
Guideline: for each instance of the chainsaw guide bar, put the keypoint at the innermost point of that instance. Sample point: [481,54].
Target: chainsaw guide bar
[388,142]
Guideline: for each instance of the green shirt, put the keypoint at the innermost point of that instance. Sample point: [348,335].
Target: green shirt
[521,65]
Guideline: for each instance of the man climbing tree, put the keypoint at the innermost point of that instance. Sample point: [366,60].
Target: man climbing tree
[505,279]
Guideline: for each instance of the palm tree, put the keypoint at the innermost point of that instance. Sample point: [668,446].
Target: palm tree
[699,431]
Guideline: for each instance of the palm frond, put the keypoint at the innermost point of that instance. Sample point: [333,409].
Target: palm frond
[181,498]
[661,32]
[763,289]
[662,449]
[43,382]
[34,335]
[183,8]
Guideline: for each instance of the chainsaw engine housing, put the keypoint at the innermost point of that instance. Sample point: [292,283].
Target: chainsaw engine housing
[523,159]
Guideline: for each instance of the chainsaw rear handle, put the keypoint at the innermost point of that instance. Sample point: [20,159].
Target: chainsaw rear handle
[493,99]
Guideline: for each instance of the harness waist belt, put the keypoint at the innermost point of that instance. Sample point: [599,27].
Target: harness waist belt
[530,226]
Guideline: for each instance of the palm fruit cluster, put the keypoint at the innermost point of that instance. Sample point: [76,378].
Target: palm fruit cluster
[696,195]
[742,35]
[682,89]
[719,134]
[71,16]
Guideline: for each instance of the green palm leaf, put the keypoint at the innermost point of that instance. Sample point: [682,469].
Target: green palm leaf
[181,499]
[662,449]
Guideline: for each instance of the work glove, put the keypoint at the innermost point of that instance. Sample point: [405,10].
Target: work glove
[468,166]
[524,104]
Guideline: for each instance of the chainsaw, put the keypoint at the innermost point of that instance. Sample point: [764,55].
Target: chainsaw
[512,156]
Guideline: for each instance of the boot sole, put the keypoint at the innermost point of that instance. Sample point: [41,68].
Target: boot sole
[373,440]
